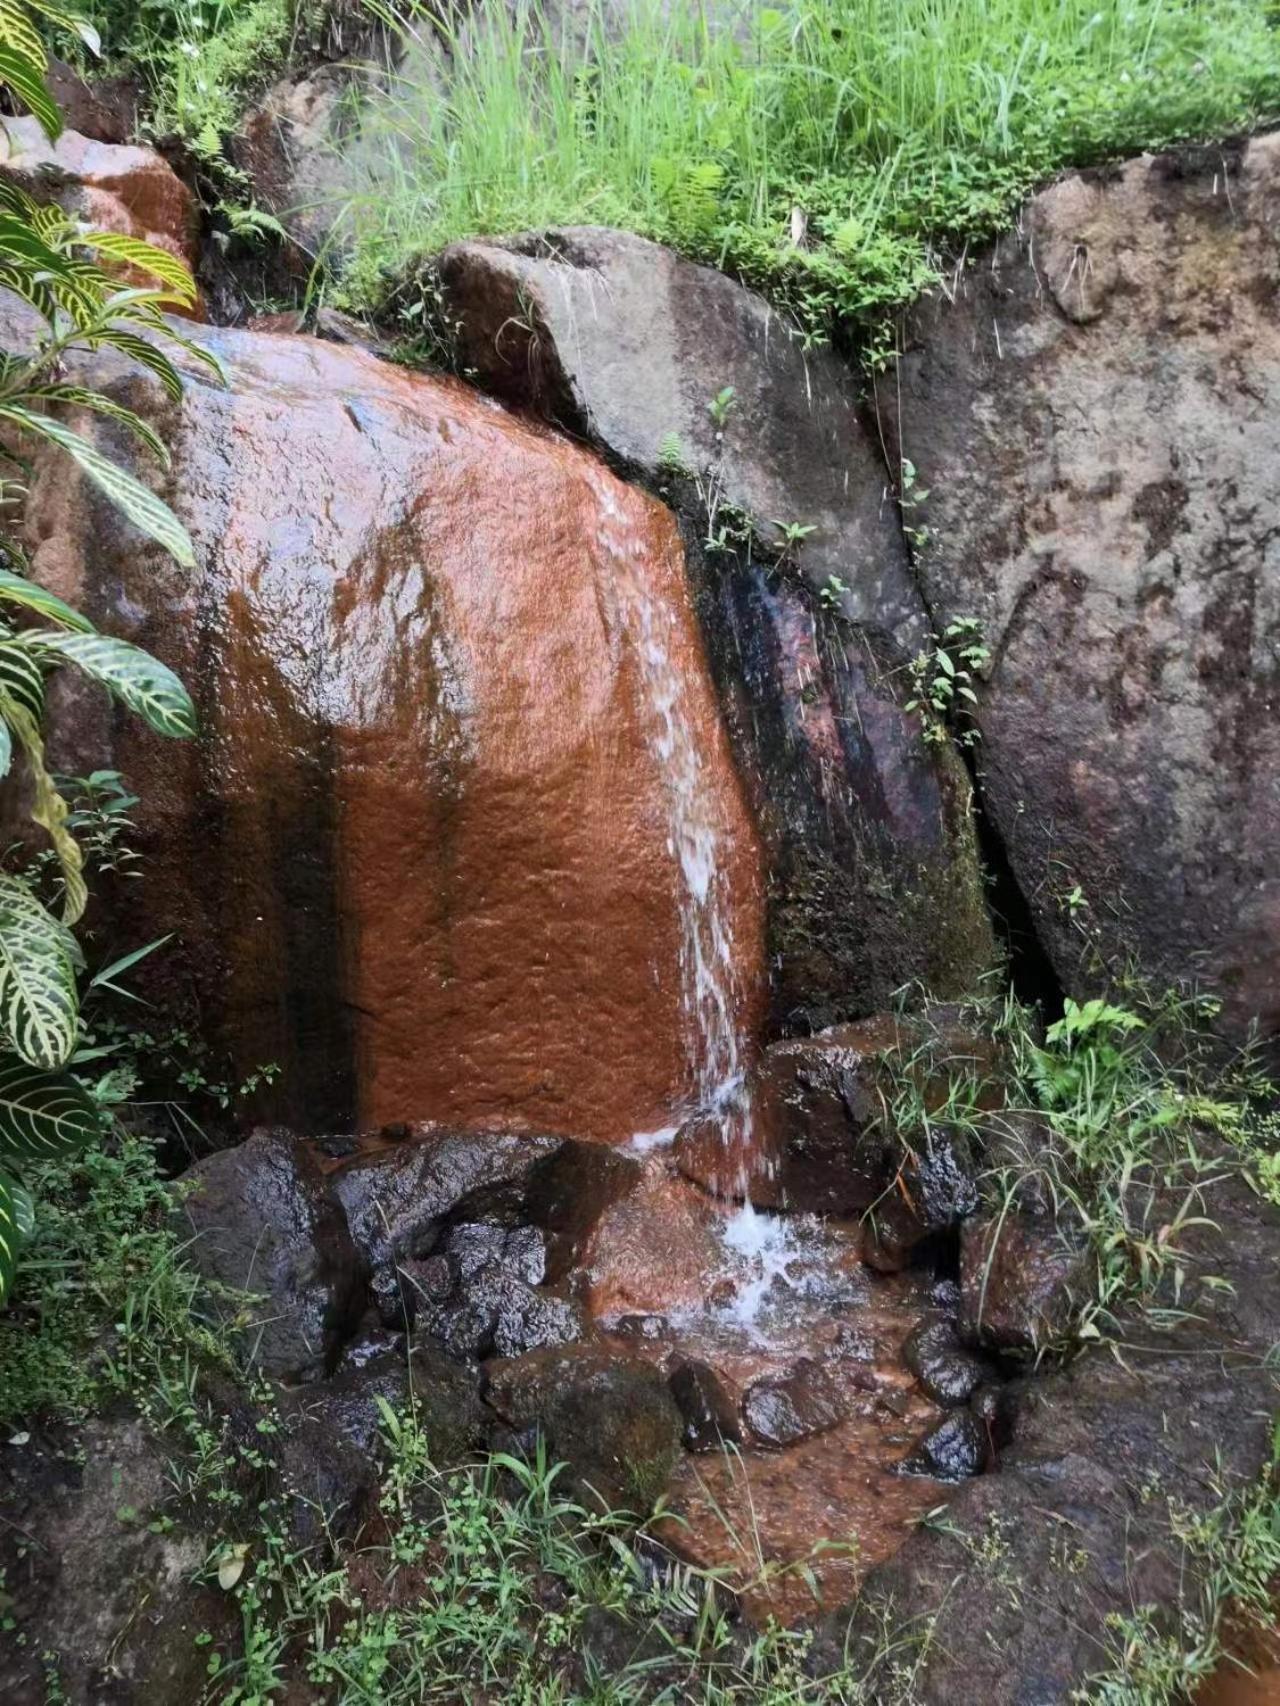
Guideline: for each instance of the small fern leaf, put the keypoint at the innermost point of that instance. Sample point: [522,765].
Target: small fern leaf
[43,1114]
[137,679]
[39,1002]
[143,508]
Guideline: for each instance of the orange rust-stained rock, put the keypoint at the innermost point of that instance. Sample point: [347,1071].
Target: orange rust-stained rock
[424,855]
[127,190]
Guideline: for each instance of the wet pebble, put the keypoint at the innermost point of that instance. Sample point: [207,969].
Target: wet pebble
[782,1411]
[954,1450]
[710,1417]
[947,1372]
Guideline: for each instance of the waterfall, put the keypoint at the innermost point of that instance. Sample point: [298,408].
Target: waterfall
[713,1000]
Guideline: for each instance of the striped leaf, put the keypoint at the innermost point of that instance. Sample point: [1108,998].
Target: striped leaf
[143,508]
[24,1211]
[72,22]
[40,1005]
[6,750]
[21,678]
[18,32]
[43,1114]
[132,251]
[26,80]
[39,1002]
[11,1238]
[137,679]
[78,397]
[17,589]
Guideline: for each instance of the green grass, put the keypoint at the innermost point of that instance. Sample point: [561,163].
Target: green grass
[886,127]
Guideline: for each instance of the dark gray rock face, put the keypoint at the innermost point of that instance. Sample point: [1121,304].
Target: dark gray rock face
[1019,1280]
[620,340]
[1098,1450]
[874,877]
[261,1219]
[89,1585]
[491,1306]
[611,1418]
[954,1450]
[1093,415]
[397,1203]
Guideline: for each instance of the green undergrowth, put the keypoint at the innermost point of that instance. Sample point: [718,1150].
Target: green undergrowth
[1229,1555]
[1120,1119]
[830,154]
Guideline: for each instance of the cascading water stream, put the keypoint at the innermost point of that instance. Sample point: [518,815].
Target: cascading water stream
[761,1246]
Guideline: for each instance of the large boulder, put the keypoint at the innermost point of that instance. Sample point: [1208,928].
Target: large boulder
[1092,411]
[431,852]
[874,875]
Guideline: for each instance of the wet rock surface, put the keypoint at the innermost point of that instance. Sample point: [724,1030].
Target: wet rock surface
[1021,1278]
[784,1410]
[709,1412]
[954,1450]
[946,1371]
[390,571]
[1128,732]
[873,872]
[1186,1411]
[824,1139]
[111,1600]
[261,1219]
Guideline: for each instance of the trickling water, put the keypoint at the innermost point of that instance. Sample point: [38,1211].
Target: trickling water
[713,999]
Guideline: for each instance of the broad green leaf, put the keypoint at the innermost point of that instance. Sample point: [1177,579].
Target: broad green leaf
[138,680]
[147,512]
[146,256]
[17,589]
[25,78]
[39,1003]
[76,396]
[10,1236]
[43,1114]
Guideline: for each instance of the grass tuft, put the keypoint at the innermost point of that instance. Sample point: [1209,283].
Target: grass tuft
[826,153]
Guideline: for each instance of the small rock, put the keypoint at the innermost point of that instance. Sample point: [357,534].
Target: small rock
[525,1254]
[1020,1279]
[781,1412]
[542,1321]
[710,1416]
[954,1450]
[946,1371]
[446,1394]
[641,1326]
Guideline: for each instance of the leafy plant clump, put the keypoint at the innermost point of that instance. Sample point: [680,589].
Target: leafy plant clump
[1123,1116]
[76,281]
[825,153]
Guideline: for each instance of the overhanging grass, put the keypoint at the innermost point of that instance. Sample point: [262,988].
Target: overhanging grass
[871,130]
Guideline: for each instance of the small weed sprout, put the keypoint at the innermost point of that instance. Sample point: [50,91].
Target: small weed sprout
[942,679]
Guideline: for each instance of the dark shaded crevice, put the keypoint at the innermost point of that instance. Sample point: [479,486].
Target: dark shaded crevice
[1030,970]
